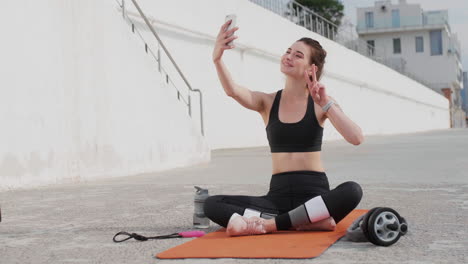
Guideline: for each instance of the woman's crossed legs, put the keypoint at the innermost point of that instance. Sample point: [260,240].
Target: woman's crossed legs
[269,213]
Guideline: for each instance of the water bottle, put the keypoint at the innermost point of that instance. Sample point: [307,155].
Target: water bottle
[199,218]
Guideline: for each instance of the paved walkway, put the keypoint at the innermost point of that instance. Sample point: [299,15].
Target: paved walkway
[424,176]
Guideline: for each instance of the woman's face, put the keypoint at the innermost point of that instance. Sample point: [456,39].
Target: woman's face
[295,60]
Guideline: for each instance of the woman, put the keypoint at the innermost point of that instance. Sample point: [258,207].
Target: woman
[299,197]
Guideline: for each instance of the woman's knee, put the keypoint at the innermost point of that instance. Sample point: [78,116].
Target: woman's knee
[353,191]
[210,205]
[348,194]
[343,199]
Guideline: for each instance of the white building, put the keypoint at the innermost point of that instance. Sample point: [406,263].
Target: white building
[417,42]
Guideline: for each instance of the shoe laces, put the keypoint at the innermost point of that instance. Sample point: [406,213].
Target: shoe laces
[254,226]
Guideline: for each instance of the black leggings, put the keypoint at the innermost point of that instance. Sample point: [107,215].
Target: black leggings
[288,190]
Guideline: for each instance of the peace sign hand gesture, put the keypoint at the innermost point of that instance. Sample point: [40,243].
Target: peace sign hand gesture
[316,89]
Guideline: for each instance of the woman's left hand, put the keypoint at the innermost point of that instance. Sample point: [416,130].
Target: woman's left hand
[316,89]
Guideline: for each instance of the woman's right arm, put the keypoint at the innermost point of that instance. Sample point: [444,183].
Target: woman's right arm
[252,100]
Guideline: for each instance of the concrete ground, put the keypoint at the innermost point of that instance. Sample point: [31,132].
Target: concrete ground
[424,176]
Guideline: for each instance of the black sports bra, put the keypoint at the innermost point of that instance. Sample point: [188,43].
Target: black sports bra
[303,136]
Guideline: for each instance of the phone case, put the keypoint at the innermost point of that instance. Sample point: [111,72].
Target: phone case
[232,25]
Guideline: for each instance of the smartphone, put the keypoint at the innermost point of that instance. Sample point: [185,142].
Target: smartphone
[232,25]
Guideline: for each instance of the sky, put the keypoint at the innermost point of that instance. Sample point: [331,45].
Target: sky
[457,11]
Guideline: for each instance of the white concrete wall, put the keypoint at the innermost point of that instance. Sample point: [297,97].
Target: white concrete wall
[378,99]
[81,100]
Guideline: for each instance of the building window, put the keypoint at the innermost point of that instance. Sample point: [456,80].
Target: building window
[436,42]
[396,46]
[369,19]
[419,44]
[395,18]
[370,47]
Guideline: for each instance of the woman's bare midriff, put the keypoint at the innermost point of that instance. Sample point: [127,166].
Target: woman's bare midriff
[295,161]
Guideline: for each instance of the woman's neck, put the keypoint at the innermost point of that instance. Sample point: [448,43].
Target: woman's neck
[295,88]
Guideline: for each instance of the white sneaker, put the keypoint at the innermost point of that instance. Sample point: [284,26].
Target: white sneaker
[241,226]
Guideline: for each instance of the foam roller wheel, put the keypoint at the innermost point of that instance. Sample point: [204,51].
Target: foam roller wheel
[383,226]
[365,220]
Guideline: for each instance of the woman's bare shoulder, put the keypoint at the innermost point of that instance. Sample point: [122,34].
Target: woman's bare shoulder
[269,98]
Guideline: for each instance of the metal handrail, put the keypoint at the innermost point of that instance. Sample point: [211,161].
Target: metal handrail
[122,6]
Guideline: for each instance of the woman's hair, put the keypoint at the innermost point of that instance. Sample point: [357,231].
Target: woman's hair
[317,56]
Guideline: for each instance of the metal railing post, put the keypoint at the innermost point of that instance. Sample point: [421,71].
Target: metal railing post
[290,12]
[123,9]
[201,116]
[159,60]
[189,106]
[316,25]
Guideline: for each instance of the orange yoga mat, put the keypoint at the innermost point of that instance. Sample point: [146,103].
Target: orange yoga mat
[282,244]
